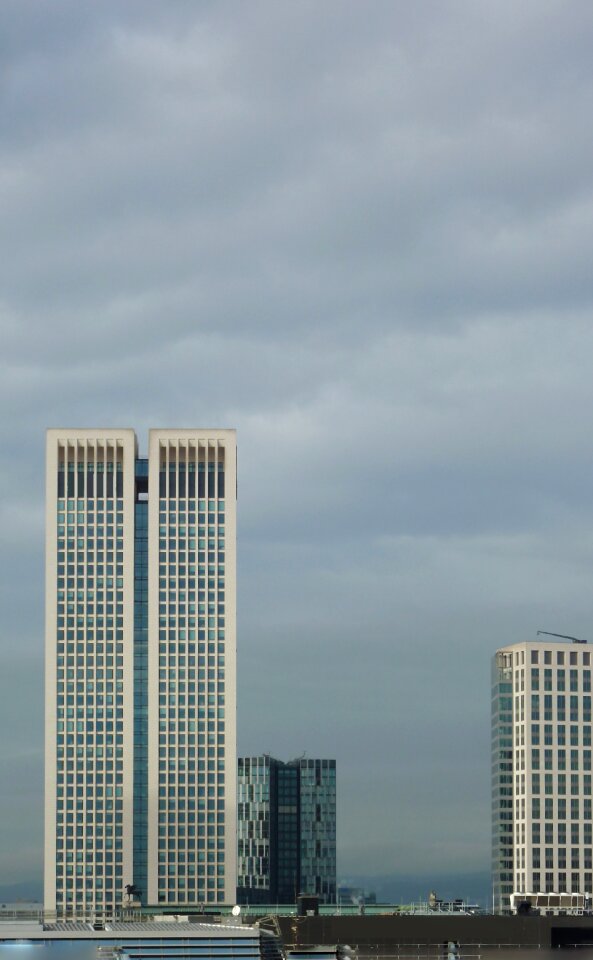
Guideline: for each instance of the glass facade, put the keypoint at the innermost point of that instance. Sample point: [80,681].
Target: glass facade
[135,941]
[256,813]
[285,860]
[286,829]
[318,828]
[141,679]
[502,782]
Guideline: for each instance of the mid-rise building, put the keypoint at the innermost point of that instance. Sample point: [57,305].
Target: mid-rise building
[542,828]
[286,830]
[140,669]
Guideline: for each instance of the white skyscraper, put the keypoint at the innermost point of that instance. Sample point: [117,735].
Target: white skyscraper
[541,771]
[140,669]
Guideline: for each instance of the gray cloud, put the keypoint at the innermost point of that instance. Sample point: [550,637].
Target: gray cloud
[359,233]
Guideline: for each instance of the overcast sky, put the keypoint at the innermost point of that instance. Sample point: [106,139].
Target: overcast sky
[361,234]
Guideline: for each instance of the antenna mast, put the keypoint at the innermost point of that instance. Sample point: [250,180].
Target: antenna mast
[562,636]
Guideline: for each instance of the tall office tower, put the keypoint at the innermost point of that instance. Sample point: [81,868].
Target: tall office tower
[542,839]
[140,669]
[287,830]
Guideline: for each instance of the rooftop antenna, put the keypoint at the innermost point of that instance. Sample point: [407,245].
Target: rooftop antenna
[562,636]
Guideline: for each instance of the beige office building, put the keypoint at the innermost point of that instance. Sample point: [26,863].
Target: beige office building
[140,670]
[542,838]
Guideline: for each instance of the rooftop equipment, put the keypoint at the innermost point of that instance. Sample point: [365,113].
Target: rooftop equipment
[562,636]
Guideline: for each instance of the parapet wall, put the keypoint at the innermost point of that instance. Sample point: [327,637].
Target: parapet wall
[371,932]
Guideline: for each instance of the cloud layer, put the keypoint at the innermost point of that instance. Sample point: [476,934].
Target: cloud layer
[361,234]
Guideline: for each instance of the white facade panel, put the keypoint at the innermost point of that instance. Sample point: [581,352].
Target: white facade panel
[542,795]
[89,669]
[96,652]
[192,666]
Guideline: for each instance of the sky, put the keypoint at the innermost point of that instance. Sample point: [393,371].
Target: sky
[359,233]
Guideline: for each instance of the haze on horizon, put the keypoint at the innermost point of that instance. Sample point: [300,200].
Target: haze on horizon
[360,234]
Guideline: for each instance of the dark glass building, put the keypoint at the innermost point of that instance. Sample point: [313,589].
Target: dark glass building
[286,830]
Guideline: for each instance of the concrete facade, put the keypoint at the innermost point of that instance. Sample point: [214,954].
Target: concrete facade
[541,770]
[140,722]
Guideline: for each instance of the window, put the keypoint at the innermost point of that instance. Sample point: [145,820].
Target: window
[561,783]
[574,736]
[535,706]
[574,784]
[549,858]
[535,734]
[561,734]
[561,707]
[562,858]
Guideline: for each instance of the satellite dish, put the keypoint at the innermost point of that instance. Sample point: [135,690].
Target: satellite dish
[236,911]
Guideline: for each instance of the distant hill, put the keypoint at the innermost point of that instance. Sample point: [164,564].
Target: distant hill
[398,888]
[26,890]
[389,888]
